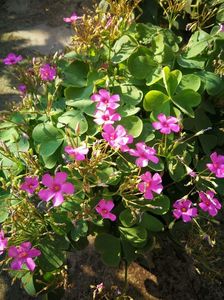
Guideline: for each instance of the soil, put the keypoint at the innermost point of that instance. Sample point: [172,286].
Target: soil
[168,273]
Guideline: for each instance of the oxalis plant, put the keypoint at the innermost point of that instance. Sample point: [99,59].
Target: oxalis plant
[119,139]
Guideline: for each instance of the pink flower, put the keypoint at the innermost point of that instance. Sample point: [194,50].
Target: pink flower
[150,184]
[56,188]
[30,184]
[47,73]
[12,59]
[166,124]
[108,116]
[145,154]
[71,19]
[105,100]
[117,138]
[221,27]
[3,242]
[217,166]
[209,203]
[77,153]
[23,255]
[22,88]
[184,210]
[104,207]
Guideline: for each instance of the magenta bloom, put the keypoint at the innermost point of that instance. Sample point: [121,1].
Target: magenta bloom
[77,153]
[57,186]
[105,100]
[47,73]
[71,19]
[3,242]
[30,184]
[184,210]
[144,154]
[209,203]
[117,138]
[22,89]
[221,27]
[217,166]
[12,59]
[108,116]
[23,255]
[104,207]
[166,124]
[150,184]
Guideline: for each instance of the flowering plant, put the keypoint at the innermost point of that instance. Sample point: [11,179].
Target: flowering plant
[116,144]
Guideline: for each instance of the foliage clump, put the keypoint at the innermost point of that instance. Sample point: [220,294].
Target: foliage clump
[118,138]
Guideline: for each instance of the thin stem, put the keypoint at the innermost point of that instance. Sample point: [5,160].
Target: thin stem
[125,278]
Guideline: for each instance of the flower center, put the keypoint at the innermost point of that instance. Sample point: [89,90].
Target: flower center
[104,211]
[183,209]
[164,124]
[105,100]
[106,118]
[23,254]
[56,188]
[148,184]
[207,203]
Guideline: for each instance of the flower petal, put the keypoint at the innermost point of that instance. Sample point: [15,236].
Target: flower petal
[30,264]
[60,177]
[13,251]
[16,264]
[68,188]
[46,195]
[47,180]
[58,199]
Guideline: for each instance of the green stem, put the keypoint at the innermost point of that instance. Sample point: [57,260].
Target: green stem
[125,278]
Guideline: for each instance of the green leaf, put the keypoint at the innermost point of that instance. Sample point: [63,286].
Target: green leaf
[28,284]
[79,230]
[52,253]
[129,252]
[151,223]
[198,42]
[157,102]
[136,235]
[60,222]
[46,131]
[127,218]
[146,32]
[123,48]
[74,119]
[86,106]
[190,81]
[49,137]
[110,249]
[10,134]
[171,80]
[127,110]
[140,64]
[76,74]
[4,210]
[161,204]
[123,165]
[187,99]
[49,148]
[191,63]
[129,94]
[50,161]
[74,93]
[133,125]
[213,83]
